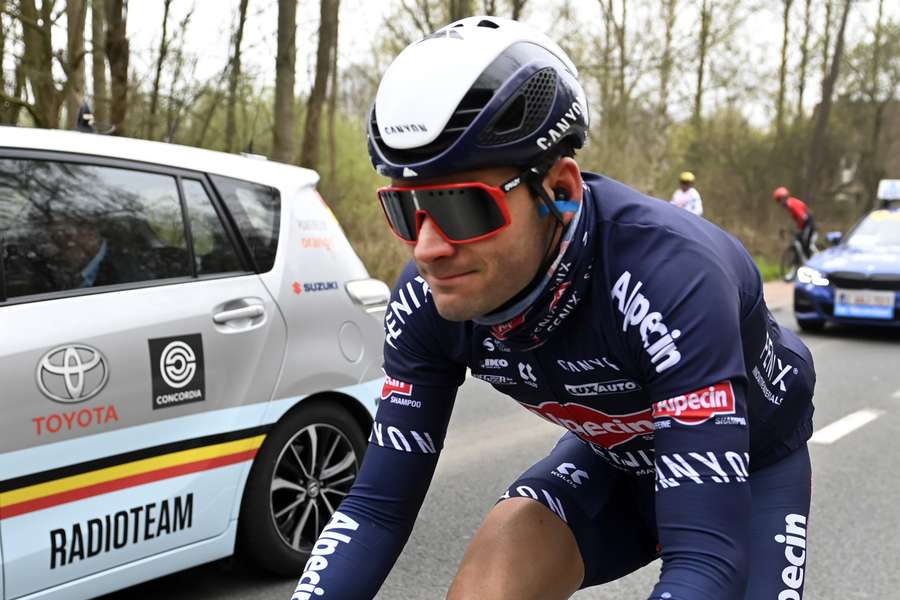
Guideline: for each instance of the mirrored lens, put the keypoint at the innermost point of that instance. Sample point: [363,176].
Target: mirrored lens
[462,213]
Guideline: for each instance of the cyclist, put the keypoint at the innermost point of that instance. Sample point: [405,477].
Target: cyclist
[687,196]
[806,227]
[635,326]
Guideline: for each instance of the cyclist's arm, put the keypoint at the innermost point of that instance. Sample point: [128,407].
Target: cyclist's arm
[679,311]
[358,547]
[703,496]
[423,367]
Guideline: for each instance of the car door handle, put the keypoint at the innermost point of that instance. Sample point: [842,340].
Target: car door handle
[247,312]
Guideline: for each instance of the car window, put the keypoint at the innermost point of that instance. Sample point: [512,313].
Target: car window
[256,210]
[213,251]
[881,229]
[66,226]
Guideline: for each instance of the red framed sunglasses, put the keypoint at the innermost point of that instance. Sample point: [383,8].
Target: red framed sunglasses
[461,212]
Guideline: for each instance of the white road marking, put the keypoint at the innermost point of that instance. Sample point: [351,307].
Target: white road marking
[843,426]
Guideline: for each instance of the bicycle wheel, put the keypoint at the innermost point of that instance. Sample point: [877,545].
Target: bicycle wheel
[789,264]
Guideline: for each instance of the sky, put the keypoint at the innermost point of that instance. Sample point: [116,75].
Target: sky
[212,23]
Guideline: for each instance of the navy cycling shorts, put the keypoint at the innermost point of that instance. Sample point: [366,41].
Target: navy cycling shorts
[612,516]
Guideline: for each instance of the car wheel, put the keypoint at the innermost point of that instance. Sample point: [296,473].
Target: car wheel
[301,474]
[812,325]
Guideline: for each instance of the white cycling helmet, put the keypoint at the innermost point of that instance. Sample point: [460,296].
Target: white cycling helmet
[480,92]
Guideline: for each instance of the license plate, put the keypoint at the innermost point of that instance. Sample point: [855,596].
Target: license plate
[865,304]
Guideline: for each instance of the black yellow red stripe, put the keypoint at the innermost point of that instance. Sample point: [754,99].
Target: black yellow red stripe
[40,493]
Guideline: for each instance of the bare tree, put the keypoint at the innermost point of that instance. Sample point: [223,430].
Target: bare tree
[804,57]
[489,7]
[285,72]
[150,130]
[76,11]
[98,62]
[37,62]
[2,48]
[517,6]
[234,79]
[666,61]
[328,26]
[702,50]
[826,37]
[782,72]
[457,9]
[117,52]
[181,95]
[332,111]
[821,124]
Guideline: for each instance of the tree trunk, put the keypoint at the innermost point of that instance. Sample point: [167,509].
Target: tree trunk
[309,154]
[459,9]
[517,7]
[38,62]
[76,11]
[489,7]
[782,72]
[804,59]
[163,51]
[117,52]
[872,170]
[98,63]
[234,79]
[285,72]
[704,42]
[2,56]
[665,64]
[826,39]
[821,126]
[332,112]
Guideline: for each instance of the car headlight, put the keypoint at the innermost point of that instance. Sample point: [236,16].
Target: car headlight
[810,275]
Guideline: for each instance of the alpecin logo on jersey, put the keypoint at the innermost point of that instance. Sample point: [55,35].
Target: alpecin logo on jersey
[658,339]
[395,386]
[698,406]
[596,426]
[501,330]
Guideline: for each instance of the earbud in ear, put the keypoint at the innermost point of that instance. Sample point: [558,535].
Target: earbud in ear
[561,194]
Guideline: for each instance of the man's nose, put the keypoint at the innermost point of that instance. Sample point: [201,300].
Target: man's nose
[430,245]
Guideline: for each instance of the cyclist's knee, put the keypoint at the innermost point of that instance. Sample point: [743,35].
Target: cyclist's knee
[522,550]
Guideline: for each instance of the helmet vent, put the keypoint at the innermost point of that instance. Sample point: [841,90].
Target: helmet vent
[468,108]
[486,23]
[524,112]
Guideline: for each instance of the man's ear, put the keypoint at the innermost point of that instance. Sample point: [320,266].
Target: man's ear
[564,185]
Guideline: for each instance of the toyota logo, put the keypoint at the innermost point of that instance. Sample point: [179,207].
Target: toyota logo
[72,373]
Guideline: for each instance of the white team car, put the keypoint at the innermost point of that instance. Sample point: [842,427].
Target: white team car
[190,357]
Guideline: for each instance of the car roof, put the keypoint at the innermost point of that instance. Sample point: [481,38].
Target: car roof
[159,153]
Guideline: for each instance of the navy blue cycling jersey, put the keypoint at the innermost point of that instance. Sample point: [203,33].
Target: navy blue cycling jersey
[650,340]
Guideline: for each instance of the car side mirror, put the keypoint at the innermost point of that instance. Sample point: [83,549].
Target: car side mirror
[834,237]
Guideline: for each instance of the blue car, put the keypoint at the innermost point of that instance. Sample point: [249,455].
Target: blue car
[857,281]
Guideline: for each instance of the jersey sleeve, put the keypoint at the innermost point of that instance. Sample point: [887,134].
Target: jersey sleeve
[680,315]
[360,544]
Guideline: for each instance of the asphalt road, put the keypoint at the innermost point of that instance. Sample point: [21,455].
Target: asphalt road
[854,523]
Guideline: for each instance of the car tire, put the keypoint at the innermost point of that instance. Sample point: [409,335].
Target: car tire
[811,325]
[285,505]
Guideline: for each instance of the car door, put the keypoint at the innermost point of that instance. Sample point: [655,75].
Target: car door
[138,348]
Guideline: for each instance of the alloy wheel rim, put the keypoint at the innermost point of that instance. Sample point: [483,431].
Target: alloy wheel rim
[312,475]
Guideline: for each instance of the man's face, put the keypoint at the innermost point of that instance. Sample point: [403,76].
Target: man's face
[470,280]
[684,185]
